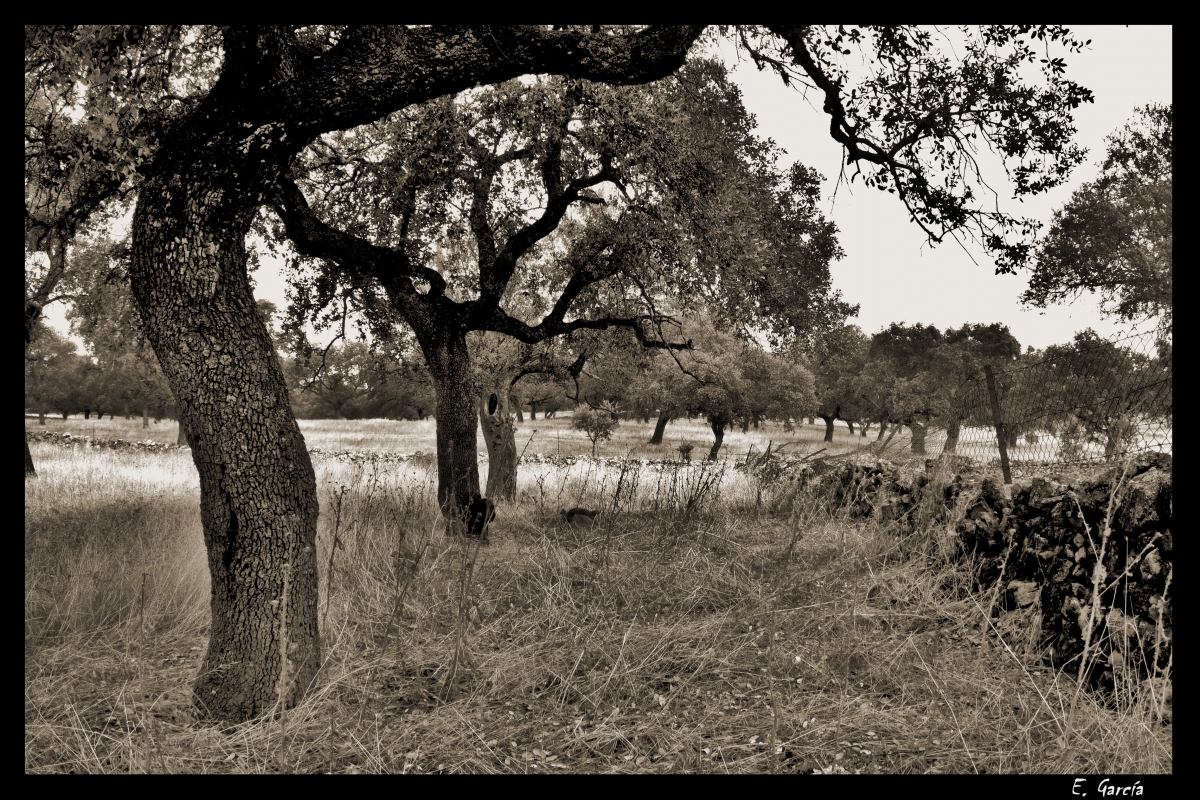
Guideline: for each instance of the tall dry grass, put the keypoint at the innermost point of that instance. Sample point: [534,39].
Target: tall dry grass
[664,638]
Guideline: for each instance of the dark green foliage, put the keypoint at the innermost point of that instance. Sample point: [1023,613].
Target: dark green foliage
[1114,236]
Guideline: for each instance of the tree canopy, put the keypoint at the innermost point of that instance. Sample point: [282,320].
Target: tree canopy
[913,119]
[545,206]
[1114,236]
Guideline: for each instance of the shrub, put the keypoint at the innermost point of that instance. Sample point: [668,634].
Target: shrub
[597,423]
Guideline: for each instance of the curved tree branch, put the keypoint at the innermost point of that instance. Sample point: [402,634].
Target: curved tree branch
[374,70]
[357,257]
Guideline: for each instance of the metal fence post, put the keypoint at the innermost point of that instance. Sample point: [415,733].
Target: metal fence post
[1000,437]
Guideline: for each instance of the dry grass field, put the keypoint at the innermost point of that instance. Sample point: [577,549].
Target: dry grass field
[720,639]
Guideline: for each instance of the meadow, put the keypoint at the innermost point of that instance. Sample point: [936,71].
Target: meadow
[750,631]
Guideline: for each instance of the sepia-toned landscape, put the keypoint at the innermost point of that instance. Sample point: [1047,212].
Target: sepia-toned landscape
[659,399]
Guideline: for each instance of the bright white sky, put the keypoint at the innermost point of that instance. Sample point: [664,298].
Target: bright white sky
[888,268]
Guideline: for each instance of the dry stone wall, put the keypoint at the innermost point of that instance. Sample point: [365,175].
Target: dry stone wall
[1089,553]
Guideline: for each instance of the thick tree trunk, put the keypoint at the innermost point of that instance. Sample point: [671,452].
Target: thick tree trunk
[1112,443]
[145,417]
[1116,437]
[918,437]
[863,430]
[754,421]
[718,429]
[882,430]
[258,501]
[457,421]
[127,411]
[953,429]
[516,407]
[87,413]
[533,412]
[65,415]
[499,434]
[30,472]
[746,423]
[1012,433]
[660,427]
[41,417]
[850,425]
[828,427]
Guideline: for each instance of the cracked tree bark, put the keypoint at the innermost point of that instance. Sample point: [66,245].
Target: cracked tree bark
[258,501]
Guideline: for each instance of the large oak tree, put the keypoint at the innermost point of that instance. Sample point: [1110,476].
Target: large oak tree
[279,88]
[640,196]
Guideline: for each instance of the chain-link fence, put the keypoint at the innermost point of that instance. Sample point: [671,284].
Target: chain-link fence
[1089,401]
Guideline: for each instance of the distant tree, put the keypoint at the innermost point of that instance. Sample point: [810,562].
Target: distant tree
[909,365]
[652,387]
[835,359]
[970,348]
[598,423]
[914,372]
[725,379]
[125,372]
[333,382]
[404,389]
[1093,390]
[539,392]
[53,374]
[1114,236]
